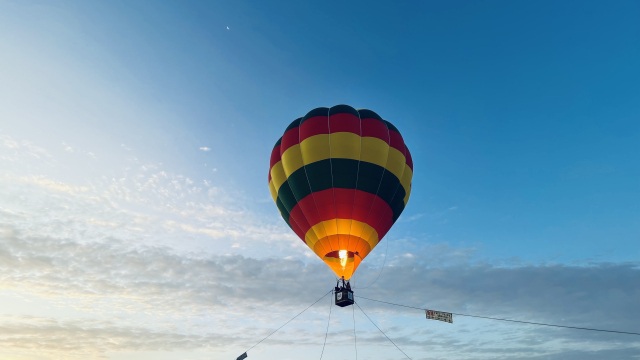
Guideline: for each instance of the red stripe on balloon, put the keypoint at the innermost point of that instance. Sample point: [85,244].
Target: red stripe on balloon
[299,227]
[275,157]
[340,122]
[314,126]
[344,122]
[375,128]
[364,207]
[396,141]
[290,138]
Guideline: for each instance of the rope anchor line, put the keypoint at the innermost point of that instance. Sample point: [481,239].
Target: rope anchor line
[244,355]
[512,320]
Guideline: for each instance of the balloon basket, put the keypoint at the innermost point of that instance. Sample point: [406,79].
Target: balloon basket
[343,297]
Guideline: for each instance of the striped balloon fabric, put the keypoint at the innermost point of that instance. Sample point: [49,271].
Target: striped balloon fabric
[340,177]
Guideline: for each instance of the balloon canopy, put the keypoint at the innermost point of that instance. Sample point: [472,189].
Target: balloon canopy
[340,177]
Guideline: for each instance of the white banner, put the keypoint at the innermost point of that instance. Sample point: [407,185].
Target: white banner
[439,315]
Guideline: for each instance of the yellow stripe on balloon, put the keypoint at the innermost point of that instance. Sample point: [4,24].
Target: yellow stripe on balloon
[374,151]
[292,160]
[406,182]
[345,145]
[315,148]
[342,145]
[314,234]
[277,175]
[340,227]
[273,191]
[395,162]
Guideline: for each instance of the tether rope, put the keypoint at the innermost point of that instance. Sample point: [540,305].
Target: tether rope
[385,335]
[290,320]
[511,320]
[327,332]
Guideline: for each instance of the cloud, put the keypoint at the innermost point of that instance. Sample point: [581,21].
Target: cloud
[436,215]
[204,148]
[130,284]
[19,154]
[595,296]
[67,147]
[81,339]
[156,285]
[141,274]
[143,201]
[577,295]
[413,217]
[51,185]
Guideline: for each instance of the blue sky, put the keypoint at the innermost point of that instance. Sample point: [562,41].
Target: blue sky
[135,217]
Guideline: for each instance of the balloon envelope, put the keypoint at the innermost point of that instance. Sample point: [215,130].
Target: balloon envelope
[340,178]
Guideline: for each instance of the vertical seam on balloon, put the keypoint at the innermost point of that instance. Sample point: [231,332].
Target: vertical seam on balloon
[355,190]
[333,189]
[404,168]
[294,195]
[384,171]
[312,192]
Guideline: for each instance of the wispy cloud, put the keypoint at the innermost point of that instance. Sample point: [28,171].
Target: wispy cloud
[77,339]
[144,200]
[435,215]
[413,217]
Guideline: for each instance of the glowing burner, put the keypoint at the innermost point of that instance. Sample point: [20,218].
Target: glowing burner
[342,254]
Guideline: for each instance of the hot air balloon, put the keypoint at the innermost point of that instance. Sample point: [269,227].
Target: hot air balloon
[340,178]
